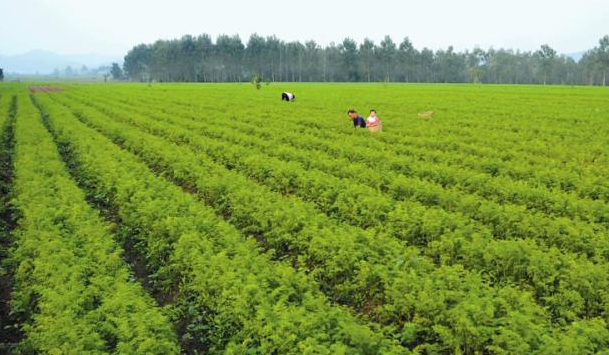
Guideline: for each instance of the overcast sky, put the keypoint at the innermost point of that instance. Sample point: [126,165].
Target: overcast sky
[114,26]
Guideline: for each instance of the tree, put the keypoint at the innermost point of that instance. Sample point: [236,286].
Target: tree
[546,56]
[589,63]
[116,71]
[450,66]
[200,59]
[230,51]
[426,63]
[332,70]
[1,74]
[476,61]
[294,53]
[349,59]
[137,62]
[407,59]
[387,55]
[254,55]
[366,53]
[272,57]
[500,66]
[160,61]
[312,61]
[602,54]
[187,58]
[69,71]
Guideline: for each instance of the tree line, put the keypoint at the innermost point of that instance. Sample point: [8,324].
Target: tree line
[229,59]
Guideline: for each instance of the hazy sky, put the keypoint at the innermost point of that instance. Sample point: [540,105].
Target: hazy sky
[114,26]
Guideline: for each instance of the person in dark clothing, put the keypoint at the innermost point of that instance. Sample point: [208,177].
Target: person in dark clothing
[358,121]
[288,96]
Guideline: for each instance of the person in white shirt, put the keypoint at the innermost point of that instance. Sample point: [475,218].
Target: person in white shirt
[373,123]
[288,96]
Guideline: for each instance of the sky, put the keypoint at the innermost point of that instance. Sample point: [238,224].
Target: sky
[112,27]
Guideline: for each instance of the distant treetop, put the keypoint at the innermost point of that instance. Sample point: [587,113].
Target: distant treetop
[228,59]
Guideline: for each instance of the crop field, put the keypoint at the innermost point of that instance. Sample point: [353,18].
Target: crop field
[218,219]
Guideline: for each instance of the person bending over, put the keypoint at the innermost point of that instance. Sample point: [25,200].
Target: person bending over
[358,121]
[288,96]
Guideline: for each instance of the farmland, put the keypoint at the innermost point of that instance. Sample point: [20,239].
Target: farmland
[217,219]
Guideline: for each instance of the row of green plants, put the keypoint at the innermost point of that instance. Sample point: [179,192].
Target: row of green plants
[72,289]
[343,198]
[10,333]
[205,177]
[479,177]
[586,334]
[224,294]
[7,111]
[377,168]
[419,231]
[507,159]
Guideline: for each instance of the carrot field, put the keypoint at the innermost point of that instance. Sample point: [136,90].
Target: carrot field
[218,219]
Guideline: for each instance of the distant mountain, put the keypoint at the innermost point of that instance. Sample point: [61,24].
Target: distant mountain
[44,62]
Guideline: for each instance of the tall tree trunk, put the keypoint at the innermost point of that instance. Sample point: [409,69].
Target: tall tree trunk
[387,72]
[544,77]
[324,79]
[280,65]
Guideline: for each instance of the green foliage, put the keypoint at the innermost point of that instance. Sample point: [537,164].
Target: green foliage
[71,285]
[273,229]
[9,324]
[242,300]
[199,59]
[349,262]
[116,71]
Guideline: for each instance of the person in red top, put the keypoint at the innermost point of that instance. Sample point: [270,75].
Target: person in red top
[373,123]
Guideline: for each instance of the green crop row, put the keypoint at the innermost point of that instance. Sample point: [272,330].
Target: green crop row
[502,161]
[9,324]
[341,198]
[6,111]
[71,285]
[377,169]
[435,229]
[226,296]
[233,196]
[293,179]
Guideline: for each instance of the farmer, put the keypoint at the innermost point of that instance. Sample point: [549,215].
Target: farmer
[358,121]
[373,123]
[288,96]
